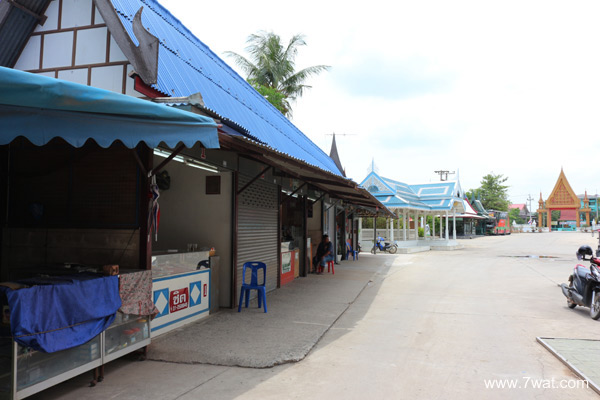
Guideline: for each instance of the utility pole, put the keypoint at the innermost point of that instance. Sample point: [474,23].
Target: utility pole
[444,174]
[529,199]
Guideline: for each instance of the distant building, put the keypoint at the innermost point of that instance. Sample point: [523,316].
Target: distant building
[593,204]
[523,210]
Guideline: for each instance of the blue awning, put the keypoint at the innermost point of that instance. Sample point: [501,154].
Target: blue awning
[42,108]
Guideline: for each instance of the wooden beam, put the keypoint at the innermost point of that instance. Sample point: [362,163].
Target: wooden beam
[293,193]
[160,166]
[254,179]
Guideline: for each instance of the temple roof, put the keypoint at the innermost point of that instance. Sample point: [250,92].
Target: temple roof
[434,196]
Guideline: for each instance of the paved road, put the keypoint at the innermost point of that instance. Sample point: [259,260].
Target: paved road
[436,325]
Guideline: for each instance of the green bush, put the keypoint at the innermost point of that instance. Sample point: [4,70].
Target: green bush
[421,232]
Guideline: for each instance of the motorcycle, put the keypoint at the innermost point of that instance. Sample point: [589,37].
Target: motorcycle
[584,283]
[382,245]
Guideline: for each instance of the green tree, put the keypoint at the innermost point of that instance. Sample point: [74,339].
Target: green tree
[492,193]
[381,223]
[513,214]
[271,68]
[555,215]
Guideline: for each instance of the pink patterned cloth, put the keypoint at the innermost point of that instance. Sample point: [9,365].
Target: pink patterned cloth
[135,289]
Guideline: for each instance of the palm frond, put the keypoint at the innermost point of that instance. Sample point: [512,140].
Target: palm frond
[271,65]
[246,65]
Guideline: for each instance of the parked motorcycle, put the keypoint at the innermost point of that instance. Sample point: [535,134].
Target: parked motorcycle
[382,245]
[584,283]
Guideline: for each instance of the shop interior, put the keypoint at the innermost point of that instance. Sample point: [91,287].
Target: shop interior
[293,229]
[195,223]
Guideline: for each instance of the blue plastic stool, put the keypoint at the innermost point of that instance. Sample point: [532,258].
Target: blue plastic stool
[253,285]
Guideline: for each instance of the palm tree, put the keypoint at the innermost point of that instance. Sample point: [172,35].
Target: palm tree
[270,69]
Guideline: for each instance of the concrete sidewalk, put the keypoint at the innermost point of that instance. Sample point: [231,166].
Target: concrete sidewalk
[580,355]
[299,314]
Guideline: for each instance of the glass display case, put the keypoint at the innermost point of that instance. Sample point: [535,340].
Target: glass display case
[126,334]
[24,371]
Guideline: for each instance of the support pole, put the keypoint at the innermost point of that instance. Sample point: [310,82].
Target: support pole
[416,226]
[387,228]
[359,230]
[374,231]
[447,220]
[404,225]
[453,224]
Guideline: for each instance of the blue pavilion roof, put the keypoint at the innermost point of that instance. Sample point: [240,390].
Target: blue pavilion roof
[435,196]
[187,66]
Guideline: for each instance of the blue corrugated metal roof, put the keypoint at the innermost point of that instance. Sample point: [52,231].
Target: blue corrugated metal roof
[187,66]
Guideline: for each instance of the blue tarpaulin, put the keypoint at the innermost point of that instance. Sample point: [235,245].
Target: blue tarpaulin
[62,312]
[42,108]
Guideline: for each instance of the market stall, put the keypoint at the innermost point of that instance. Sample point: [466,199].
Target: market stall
[75,243]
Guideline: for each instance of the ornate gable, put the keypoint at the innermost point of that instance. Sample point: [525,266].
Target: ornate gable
[562,195]
[375,185]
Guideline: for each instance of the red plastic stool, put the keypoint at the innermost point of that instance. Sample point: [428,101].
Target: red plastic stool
[330,264]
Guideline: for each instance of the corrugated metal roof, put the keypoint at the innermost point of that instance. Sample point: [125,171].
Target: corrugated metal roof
[187,66]
[16,26]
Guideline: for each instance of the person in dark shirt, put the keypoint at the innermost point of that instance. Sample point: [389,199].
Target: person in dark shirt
[324,253]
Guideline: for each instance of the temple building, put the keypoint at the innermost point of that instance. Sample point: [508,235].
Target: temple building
[573,211]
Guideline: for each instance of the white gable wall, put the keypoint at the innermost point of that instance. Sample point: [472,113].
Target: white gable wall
[76,13]
[75,45]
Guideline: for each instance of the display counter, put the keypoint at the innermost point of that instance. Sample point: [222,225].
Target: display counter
[26,370]
[181,288]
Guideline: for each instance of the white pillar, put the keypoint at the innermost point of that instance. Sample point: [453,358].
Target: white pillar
[374,231]
[454,224]
[359,229]
[387,228]
[416,226]
[392,231]
[441,219]
[447,220]
[433,227]
[404,225]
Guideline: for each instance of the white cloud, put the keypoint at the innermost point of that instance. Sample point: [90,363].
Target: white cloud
[511,87]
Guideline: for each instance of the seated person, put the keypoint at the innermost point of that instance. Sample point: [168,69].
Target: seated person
[324,253]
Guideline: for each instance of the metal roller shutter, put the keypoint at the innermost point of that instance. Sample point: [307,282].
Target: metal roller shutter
[257,229]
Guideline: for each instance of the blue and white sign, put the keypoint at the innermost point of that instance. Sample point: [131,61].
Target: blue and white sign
[169,289]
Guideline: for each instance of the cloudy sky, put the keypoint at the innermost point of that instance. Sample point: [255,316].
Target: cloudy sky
[508,87]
